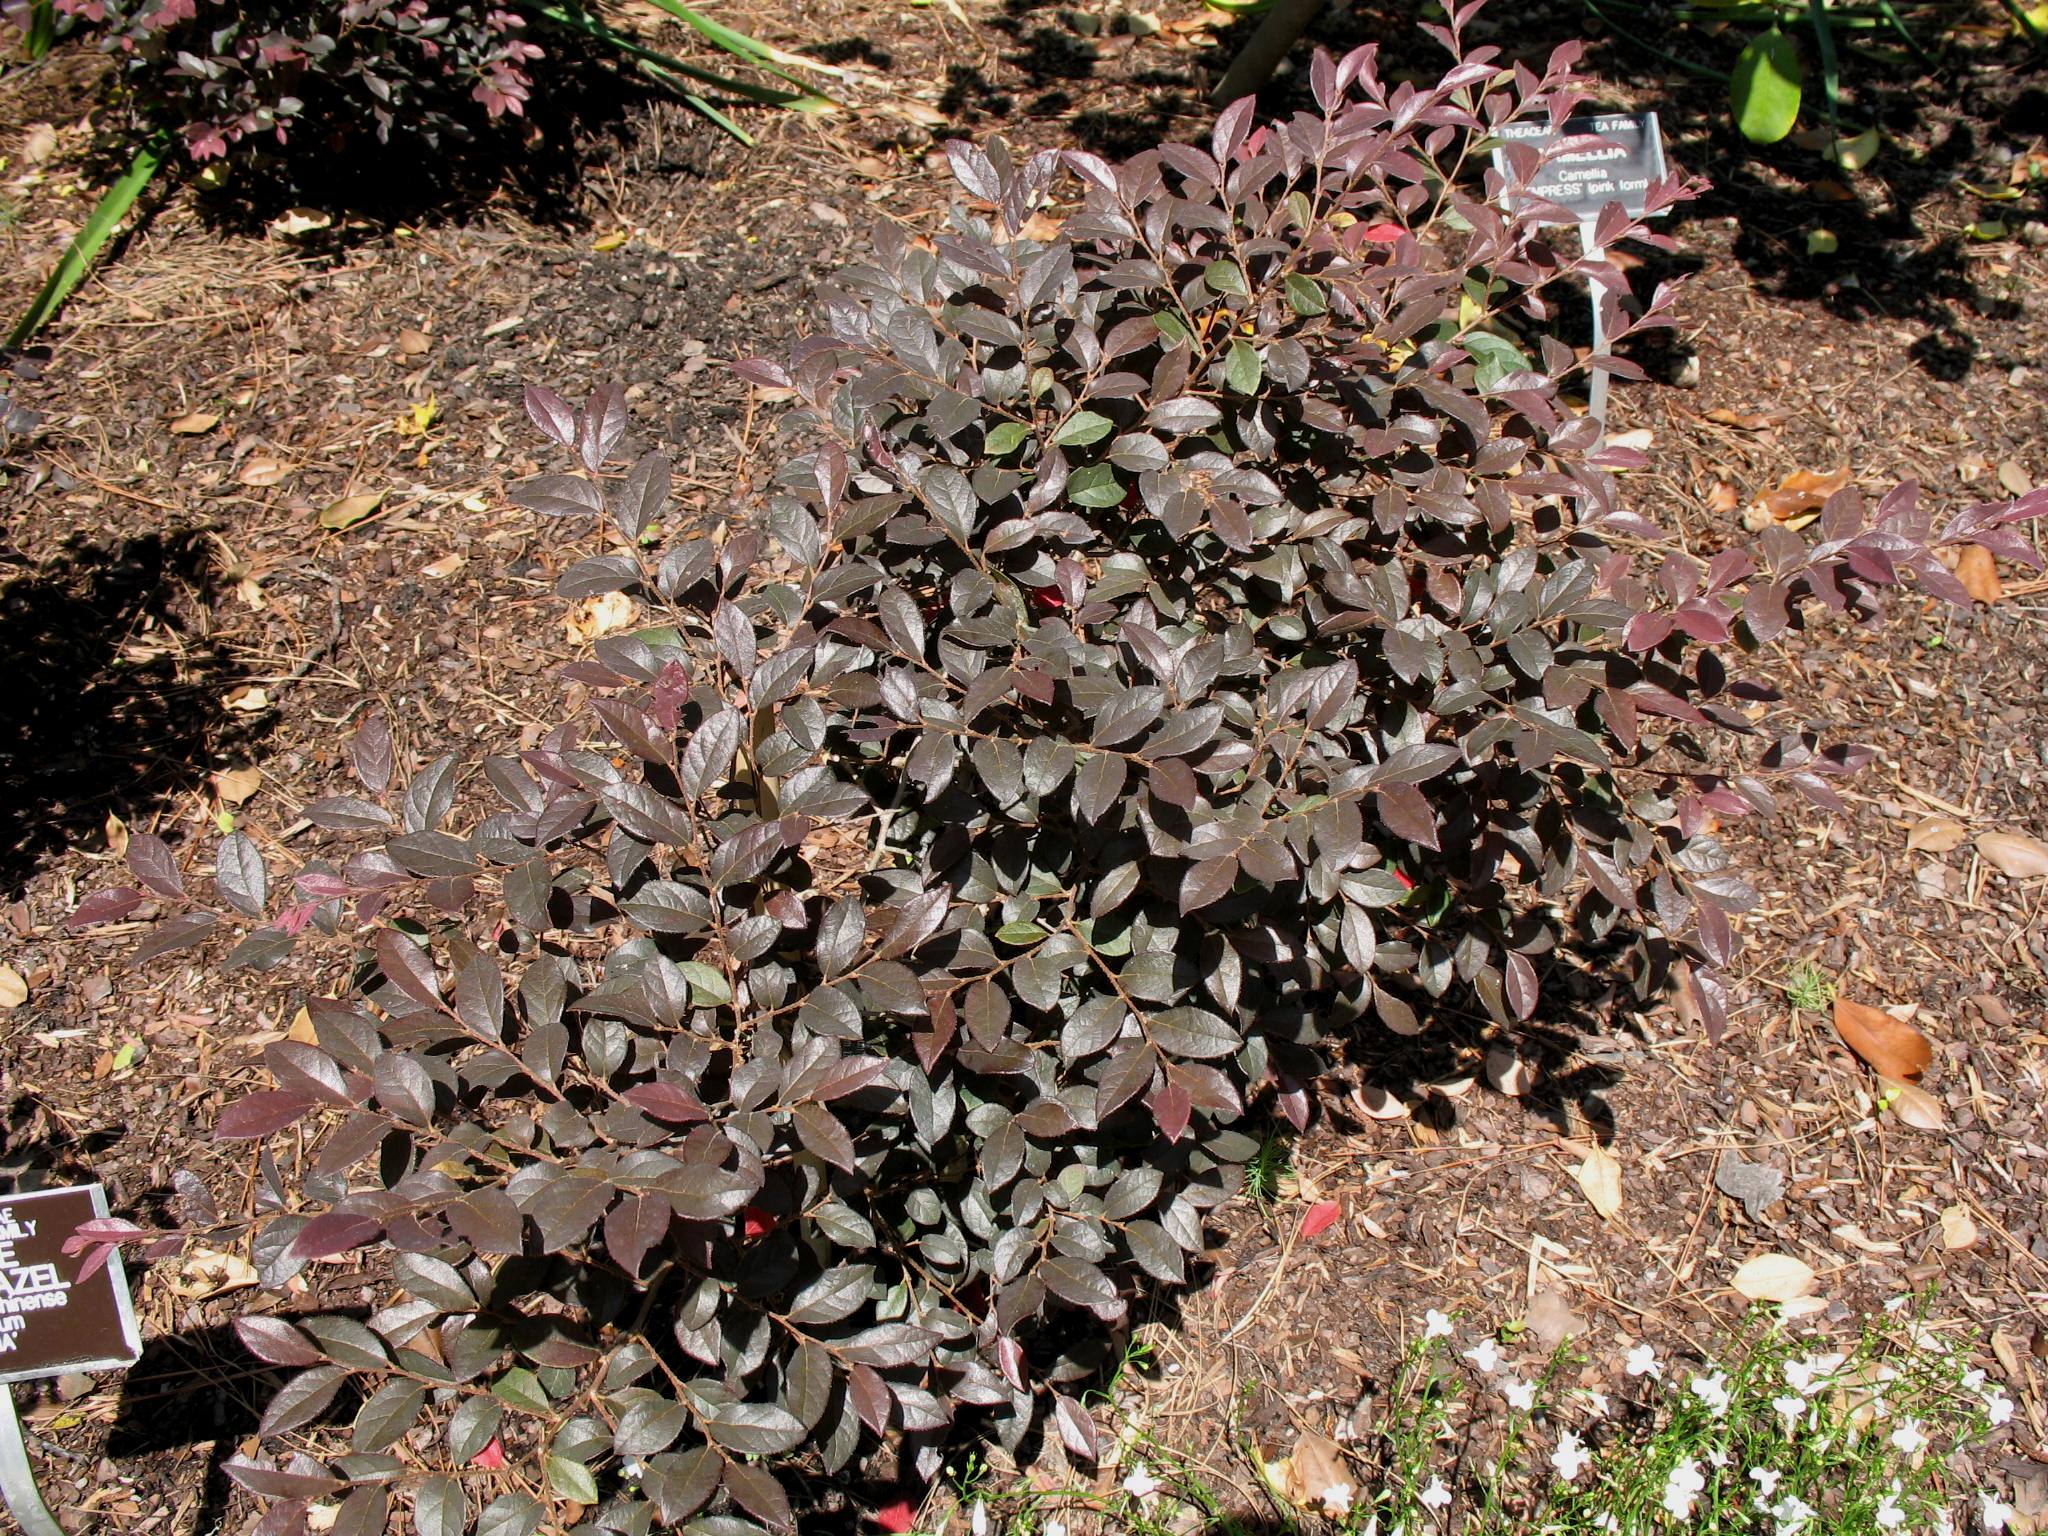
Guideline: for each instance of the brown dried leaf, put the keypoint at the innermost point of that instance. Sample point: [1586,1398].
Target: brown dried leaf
[1507,1073]
[1600,1177]
[1936,834]
[1797,500]
[193,423]
[1722,498]
[1315,1476]
[595,617]
[263,472]
[1774,1277]
[237,784]
[1914,1106]
[1889,1046]
[2014,853]
[1958,1230]
[1978,572]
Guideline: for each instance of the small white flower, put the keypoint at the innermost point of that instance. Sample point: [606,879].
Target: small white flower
[1336,1499]
[1682,1487]
[1521,1395]
[1713,1391]
[1766,1479]
[1789,1408]
[1810,1375]
[1998,1409]
[1607,1522]
[1570,1457]
[1435,1325]
[1717,1457]
[1992,1514]
[633,1469]
[1642,1361]
[1791,1513]
[1486,1356]
[1907,1438]
[977,1518]
[1973,1380]
[1141,1484]
[1596,1402]
[1055,1528]
[1436,1495]
[1889,1515]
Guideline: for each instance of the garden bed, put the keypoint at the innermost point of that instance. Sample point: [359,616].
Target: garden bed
[184,618]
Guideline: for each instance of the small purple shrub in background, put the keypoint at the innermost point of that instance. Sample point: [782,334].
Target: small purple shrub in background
[222,73]
[1184,634]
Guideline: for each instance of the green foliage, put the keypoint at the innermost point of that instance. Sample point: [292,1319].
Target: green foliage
[1764,91]
[826,1031]
[1809,987]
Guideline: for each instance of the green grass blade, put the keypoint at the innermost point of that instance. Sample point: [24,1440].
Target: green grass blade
[85,246]
[42,28]
[2026,23]
[1898,25]
[765,95]
[1830,65]
[697,102]
[739,44]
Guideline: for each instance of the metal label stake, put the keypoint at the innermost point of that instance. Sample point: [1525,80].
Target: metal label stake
[53,1320]
[1622,160]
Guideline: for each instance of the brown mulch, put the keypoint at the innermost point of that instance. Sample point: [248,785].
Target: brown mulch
[179,613]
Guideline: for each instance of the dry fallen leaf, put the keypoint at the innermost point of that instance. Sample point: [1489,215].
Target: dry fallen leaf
[209,1271]
[295,223]
[249,700]
[237,784]
[1551,1319]
[2013,478]
[1315,1471]
[1797,500]
[196,422]
[2014,853]
[447,565]
[1913,1105]
[595,617]
[1889,1047]
[1600,1177]
[117,836]
[350,510]
[1774,1277]
[1722,498]
[412,343]
[1957,1229]
[1507,1073]
[1977,570]
[1743,421]
[1377,1104]
[13,990]
[302,1029]
[1936,834]
[263,472]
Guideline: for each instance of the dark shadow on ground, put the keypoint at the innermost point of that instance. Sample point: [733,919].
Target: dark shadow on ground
[116,690]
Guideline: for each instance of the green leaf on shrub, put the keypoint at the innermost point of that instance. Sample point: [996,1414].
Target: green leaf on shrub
[1305,295]
[1094,485]
[1081,429]
[1224,277]
[571,1479]
[1005,438]
[522,1389]
[1496,358]
[1170,325]
[1764,90]
[708,986]
[1242,369]
[1020,933]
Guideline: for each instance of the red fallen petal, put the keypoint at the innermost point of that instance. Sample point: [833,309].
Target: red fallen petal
[1407,880]
[1383,234]
[492,1457]
[899,1516]
[1321,1217]
[755,1222]
[1048,598]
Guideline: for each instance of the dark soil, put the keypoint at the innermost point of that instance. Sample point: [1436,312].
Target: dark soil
[175,612]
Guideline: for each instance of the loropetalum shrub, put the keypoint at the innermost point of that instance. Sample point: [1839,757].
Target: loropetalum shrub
[225,72]
[1178,638]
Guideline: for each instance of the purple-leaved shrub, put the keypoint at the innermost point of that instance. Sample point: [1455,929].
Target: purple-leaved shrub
[1181,636]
